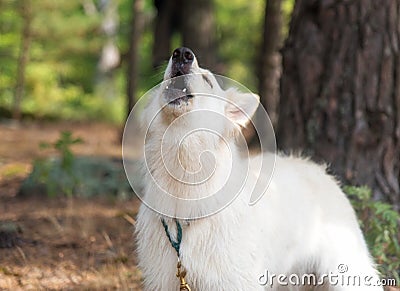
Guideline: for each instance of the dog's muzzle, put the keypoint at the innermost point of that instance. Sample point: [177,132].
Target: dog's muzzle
[177,90]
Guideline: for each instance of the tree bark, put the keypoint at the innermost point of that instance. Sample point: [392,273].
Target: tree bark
[270,59]
[26,37]
[133,57]
[269,72]
[198,30]
[340,90]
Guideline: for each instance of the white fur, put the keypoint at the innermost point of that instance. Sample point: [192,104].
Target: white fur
[303,224]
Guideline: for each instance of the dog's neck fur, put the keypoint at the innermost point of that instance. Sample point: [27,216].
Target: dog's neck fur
[195,168]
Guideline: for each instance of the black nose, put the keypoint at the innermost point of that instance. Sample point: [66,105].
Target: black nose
[183,55]
[182,59]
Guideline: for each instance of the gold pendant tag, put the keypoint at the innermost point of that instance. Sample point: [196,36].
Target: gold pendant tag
[181,275]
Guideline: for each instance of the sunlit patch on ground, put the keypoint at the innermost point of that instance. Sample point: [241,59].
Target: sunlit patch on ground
[69,243]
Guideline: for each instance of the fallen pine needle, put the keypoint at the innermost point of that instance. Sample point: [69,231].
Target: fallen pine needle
[129,219]
[108,240]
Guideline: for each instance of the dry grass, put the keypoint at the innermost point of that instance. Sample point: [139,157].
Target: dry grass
[69,244]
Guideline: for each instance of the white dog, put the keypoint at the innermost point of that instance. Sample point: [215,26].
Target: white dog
[302,227]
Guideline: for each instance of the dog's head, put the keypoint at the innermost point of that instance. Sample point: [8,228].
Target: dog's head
[188,88]
[193,146]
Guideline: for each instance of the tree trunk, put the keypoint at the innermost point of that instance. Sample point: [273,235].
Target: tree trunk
[110,56]
[168,19]
[198,30]
[26,37]
[340,89]
[270,59]
[133,58]
[269,72]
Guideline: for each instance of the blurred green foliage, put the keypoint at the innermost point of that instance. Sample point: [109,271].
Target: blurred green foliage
[62,73]
[63,59]
[240,24]
[239,34]
[380,224]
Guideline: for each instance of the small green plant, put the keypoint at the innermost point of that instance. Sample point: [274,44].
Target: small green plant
[63,146]
[59,176]
[82,176]
[380,224]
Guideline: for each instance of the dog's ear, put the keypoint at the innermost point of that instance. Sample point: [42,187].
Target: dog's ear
[240,107]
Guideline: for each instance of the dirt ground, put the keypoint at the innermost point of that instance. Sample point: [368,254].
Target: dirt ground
[63,243]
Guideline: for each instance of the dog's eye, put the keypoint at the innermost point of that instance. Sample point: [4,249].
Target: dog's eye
[205,78]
